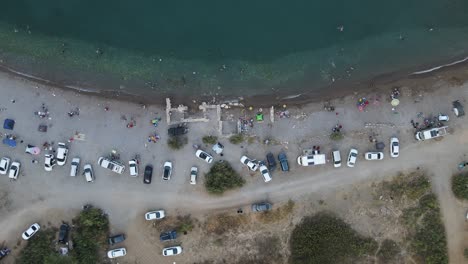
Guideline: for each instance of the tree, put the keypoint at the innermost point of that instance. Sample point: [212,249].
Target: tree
[460,186]
[222,177]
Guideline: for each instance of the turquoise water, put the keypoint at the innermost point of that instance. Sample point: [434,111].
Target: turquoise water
[227,47]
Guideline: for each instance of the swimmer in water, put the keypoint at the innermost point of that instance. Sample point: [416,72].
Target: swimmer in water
[340,28]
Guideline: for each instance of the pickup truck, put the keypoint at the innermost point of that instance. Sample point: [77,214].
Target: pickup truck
[431,133]
[111,165]
[311,160]
[167,236]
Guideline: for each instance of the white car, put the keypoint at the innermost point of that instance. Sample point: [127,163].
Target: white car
[374,155]
[172,251]
[133,167]
[394,147]
[4,165]
[167,172]
[62,152]
[14,170]
[352,157]
[111,165]
[204,156]
[265,173]
[75,165]
[193,175]
[336,155]
[88,173]
[31,231]
[155,215]
[49,162]
[251,164]
[115,253]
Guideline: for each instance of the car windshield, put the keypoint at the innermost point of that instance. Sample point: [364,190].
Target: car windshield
[166,171]
[174,250]
[264,171]
[34,228]
[203,155]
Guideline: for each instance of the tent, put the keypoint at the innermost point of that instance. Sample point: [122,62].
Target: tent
[9,124]
[10,142]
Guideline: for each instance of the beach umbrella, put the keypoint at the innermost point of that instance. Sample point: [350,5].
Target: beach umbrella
[395,102]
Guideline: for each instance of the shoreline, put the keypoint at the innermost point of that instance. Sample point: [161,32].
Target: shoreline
[337,90]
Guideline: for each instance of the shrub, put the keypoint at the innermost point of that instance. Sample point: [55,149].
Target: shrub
[324,238]
[388,251]
[176,143]
[336,136]
[465,253]
[38,248]
[236,139]
[210,139]
[222,177]
[460,186]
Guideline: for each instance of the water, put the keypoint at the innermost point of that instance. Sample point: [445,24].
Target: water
[227,47]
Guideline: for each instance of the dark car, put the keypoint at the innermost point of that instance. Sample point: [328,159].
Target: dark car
[167,236]
[271,161]
[458,108]
[116,239]
[261,207]
[283,160]
[148,174]
[63,233]
[177,130]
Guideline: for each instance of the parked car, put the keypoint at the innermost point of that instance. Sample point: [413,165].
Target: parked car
[155,215]
[204,156]
[218,148]
[312,160]
[168,236]
[271,161]
[4,165]
[172,251]
[193,175]
[111,165]
[251,164]
[336,155]
[14,170]
[443,117]
[265,173]
[374,155]
[133,167]
[75,165]
[116,253]
[62,152]
[283,159]
[88,173]
[148,174]
[116,239]
[167,171]
[63,233]
[49,162]
[31,231]
[261,207]
[394,147]
[352,157]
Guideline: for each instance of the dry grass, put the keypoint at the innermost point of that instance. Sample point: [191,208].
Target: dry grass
[222,223]
[277,214]
[180,223]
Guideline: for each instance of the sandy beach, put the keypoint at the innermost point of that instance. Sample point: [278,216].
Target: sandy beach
[50,197]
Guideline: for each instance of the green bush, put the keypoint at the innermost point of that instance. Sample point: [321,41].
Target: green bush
[336,136]
[92,229]
[176,143]
[324,238]
[465,253]
[460,186]
[236,139]
[222,177]
[38,248]
[388,251]
[210,139]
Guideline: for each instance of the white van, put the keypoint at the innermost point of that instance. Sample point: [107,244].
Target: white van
[88,173]
[336,158]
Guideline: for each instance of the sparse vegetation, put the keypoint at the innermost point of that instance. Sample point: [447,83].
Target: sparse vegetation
[277,214]
[388,251]
[176,143]
[222,177]
[413,186]
[41,249]
[460,186]
[182,224]
[324,238]
[222,223]
[210,139]
[336,136]
[465,253]
[236,139]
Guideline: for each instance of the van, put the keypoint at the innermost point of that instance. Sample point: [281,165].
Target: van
[336,158]
[311,160]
